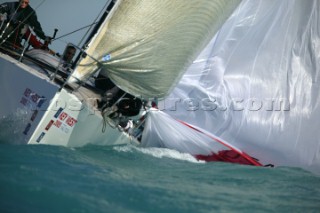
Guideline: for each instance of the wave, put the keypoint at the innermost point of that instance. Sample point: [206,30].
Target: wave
[159,153]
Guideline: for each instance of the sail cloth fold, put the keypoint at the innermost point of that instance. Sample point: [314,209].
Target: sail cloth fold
[145,46]
[161,130]
[257,84]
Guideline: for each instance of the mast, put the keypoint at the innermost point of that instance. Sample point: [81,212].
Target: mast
[96,28]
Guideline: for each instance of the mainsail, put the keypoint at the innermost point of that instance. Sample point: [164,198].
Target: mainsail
[256,85]
[144,46]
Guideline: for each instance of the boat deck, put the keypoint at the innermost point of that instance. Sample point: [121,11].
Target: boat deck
[84,92]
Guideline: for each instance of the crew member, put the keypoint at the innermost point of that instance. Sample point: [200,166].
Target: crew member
[19,15]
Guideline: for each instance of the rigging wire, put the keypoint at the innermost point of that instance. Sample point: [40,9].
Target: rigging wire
[95,21]
[41,3]
[90,25]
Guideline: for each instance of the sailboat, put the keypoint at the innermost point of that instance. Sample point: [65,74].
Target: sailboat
[168,53]
[60,110]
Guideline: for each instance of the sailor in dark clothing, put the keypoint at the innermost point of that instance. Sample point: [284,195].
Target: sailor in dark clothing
[19,15]
[126,104]
[116,104]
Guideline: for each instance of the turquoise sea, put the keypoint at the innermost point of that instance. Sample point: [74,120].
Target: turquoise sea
[37,178]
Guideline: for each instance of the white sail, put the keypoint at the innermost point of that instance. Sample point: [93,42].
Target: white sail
[144,46]
[256,85]
[161,130]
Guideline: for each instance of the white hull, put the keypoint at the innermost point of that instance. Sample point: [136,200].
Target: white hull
[69,122]
[50,116]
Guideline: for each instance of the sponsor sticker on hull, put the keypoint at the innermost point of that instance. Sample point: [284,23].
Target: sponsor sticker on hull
[58,112]
[32,99]
[41,137]
[63,121]
[49,125]
[26,130]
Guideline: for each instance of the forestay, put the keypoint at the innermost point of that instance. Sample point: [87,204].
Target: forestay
[144,46]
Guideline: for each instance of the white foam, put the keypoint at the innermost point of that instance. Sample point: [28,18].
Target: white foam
[159,153]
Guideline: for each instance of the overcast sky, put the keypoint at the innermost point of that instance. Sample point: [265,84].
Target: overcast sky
[66,16]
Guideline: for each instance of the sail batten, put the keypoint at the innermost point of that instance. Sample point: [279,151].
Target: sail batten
[144,46]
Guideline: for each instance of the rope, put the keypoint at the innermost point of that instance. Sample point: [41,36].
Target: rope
[106,119]
[107,112]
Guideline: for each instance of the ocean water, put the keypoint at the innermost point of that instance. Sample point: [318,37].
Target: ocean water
[38,178]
